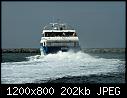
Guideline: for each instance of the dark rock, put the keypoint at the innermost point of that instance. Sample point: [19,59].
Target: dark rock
[21,50]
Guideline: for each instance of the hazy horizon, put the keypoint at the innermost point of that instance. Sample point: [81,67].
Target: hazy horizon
[98,24]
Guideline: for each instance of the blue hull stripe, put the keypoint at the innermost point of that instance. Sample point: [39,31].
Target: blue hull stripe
[54,49]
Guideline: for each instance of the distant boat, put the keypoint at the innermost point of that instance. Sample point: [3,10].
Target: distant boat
[58,37]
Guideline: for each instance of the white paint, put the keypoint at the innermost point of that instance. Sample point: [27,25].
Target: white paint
[61,39]
[58,31]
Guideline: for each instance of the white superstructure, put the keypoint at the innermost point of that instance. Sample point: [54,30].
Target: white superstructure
[58,36]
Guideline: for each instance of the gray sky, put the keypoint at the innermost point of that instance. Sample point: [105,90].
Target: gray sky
[98,24]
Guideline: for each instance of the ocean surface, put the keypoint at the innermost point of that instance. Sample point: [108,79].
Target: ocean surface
[63,67]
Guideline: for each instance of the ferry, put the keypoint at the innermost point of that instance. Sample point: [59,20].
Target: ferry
[58,37]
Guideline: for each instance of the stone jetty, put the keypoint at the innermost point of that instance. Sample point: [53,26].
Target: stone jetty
[21,50]
[86,50]
[103,50]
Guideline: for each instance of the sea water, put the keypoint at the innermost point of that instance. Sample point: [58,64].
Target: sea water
[63,67]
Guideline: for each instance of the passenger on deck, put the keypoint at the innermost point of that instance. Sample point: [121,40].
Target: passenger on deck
[74,34]
[47,35]
[63,34]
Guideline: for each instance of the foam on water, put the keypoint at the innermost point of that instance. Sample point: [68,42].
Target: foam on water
[52,66]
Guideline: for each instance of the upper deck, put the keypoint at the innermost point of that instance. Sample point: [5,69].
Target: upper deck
[58,26]
[58,30]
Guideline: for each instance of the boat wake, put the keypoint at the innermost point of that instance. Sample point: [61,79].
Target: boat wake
[52,66]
